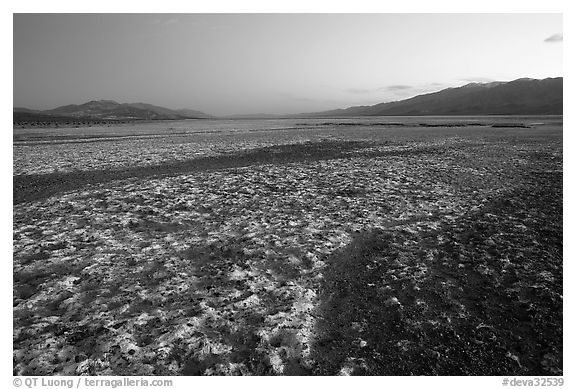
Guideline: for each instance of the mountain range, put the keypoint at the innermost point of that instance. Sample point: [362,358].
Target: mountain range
[108,110]
[524,96]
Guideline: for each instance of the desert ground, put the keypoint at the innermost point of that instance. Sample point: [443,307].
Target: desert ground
[360,246]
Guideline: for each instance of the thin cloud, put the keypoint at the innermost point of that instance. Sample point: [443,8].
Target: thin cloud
[384,88]
[554,38]
[360,91]
[477,79]
[398,87]
[298,98]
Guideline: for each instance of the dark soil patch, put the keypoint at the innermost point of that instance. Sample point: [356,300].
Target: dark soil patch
[36,187]
[488,303]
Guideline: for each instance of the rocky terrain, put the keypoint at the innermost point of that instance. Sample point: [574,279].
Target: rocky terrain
[310,250]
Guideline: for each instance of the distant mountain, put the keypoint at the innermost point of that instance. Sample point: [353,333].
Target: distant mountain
[524,96]
[253,116]
[110,110]
[20,115]
[25,110]
[193,114]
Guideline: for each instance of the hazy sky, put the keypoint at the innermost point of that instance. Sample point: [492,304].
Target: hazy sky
[281,63]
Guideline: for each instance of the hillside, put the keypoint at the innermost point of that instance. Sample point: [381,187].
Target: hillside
[109,110]
[519,97]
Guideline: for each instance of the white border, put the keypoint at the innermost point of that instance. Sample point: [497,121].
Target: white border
[296,6]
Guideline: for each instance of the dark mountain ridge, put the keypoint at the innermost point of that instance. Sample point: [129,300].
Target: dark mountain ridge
[110,110]
[519,97]
[524,96]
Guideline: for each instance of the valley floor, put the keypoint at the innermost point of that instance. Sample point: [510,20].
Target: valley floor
[309,250]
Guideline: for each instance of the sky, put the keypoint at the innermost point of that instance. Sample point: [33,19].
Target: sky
[272,63]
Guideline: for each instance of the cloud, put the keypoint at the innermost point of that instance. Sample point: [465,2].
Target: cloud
[298,98]
[373,90]
[360,91]
[477,79]
[554,38]
[398,87]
